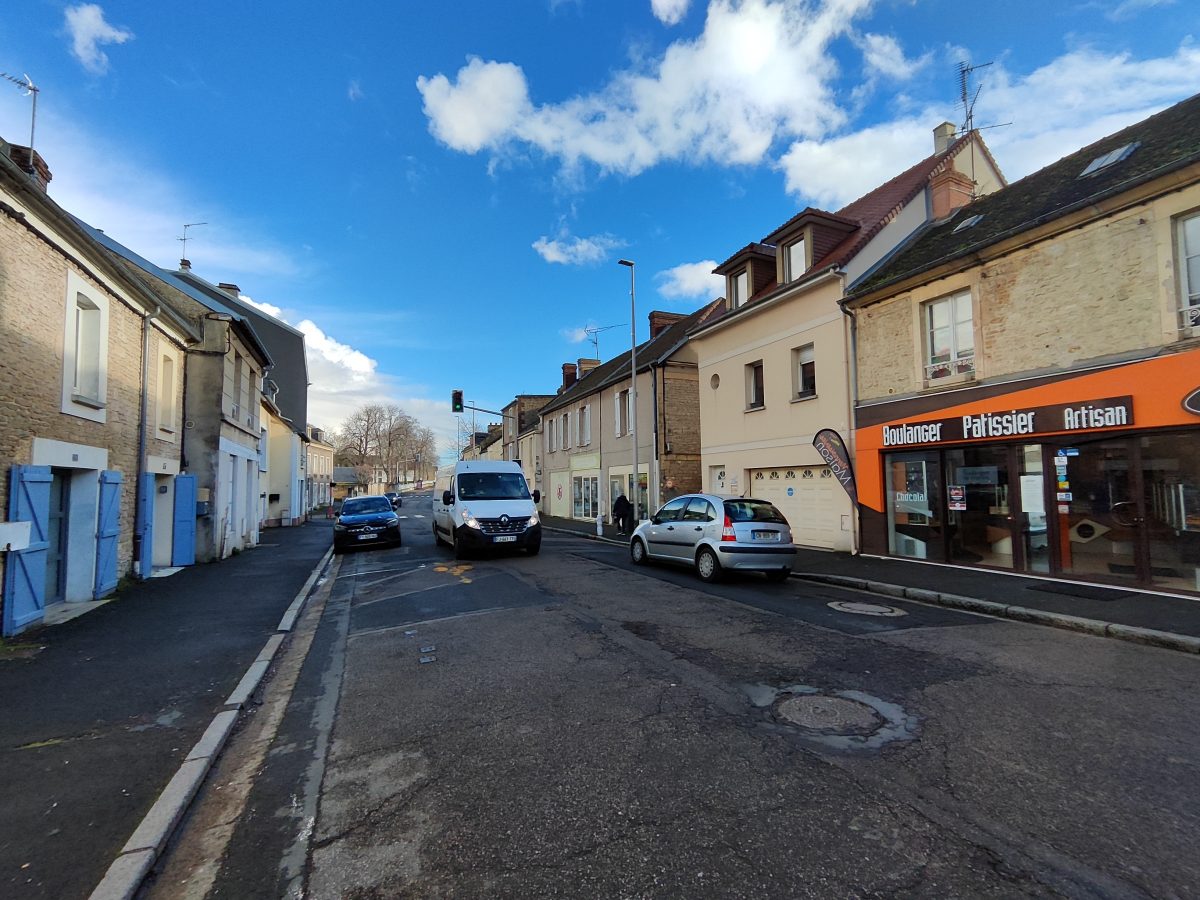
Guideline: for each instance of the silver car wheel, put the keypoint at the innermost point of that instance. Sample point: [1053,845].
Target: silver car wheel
[637,552]
[707,566]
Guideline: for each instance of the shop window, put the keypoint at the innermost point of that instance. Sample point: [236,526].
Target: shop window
[1189,256]
[754,386]
[949,339]
[914,505]
[585,492]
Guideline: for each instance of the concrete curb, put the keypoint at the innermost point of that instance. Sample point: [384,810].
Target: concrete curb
[125,876]
[1165,639]
[580,534]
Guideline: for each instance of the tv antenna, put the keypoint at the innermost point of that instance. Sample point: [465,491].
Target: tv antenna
[184,239]
[964,93]
[593,334]
[31,90]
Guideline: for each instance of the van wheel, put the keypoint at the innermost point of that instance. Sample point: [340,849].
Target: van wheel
[637,552]
[707,566]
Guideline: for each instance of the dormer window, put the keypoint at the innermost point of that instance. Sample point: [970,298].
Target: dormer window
[741,289]
[794,261]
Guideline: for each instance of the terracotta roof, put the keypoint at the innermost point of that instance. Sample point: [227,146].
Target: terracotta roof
[654,351]
[1166,141]
[749,249]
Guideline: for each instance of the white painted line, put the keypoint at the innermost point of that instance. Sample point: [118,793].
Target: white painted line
[124,876]
[418,516]
[249,682]
[214,736]
[168,809]
[385,629]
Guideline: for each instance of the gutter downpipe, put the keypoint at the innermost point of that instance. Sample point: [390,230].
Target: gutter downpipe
[139,499]
[654,408]
[855,524]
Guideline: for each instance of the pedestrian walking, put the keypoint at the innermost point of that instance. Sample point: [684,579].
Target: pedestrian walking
[623,514]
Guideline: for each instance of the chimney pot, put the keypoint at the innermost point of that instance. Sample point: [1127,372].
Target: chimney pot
[586,365]
[660,321]
[943,137]
[950,190]
[569,374]
[38,171]
[231,289]
[185,265]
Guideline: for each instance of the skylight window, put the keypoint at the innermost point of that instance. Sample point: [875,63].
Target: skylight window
[1109,158]
[966,223]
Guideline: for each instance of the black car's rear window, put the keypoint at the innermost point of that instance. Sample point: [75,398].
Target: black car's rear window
[361,505]
[753,511]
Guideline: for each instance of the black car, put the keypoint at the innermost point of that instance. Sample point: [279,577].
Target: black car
[365,521]
[395,499]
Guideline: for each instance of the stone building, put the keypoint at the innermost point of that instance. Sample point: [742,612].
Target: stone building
[1029,372]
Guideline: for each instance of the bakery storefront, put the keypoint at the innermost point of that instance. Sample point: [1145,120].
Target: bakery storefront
[1088,477]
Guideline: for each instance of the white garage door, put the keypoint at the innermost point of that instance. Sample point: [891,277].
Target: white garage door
[806,497]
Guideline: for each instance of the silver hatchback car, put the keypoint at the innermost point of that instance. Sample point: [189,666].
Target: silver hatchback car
[713,533]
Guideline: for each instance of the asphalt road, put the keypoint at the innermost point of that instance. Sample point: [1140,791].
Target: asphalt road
[583,727]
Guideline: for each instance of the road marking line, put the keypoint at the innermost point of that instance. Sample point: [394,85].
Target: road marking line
[466,615]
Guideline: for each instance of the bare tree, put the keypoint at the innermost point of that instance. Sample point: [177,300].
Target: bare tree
[385,437]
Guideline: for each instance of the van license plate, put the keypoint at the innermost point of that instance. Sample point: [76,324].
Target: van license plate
[367,537]
[505,539]
[766,535]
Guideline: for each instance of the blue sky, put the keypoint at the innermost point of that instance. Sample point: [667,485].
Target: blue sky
[437,194]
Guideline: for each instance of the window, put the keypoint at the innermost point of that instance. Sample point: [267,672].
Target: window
[85,351]
[585,425]
[621,408]
[754,385]
[166,406]
[804,372]
[794,262]
[1109,158]
[551,443]
[1189,246]
[586,496]
[564,430]
[950,337]
[699,510]
[741,289]
[968,222]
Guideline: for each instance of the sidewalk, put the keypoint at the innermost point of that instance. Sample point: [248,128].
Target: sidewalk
[1157,619]
[99,712]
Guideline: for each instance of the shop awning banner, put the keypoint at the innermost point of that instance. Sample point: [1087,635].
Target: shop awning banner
[833,450]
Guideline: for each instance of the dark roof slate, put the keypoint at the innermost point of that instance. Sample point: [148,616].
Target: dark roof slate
[1167,141]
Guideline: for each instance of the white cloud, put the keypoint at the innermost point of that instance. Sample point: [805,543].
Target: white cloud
[1066,104]
[670,12]
[883,55]
[1127,9]
[575,336]
[691,280]
[760,71]
[354,91]
[88,31]
[576,251]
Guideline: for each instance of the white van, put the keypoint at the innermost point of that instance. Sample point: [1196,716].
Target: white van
[485,503]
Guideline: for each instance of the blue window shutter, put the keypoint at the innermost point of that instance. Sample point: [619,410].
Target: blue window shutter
[25,570]
[183,532]
[108,530]
[146,556]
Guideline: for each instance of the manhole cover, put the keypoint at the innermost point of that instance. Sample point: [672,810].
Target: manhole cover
[831,715]
[865,609]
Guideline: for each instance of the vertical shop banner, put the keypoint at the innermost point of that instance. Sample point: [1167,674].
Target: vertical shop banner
[833,450]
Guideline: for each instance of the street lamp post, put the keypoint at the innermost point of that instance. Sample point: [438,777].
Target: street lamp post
[637,482]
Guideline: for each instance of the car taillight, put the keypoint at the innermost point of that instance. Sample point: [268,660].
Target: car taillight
[727,532]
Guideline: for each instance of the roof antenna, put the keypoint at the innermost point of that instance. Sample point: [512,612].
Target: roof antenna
[964,91]
[185,263]
[31,90]
[593,333]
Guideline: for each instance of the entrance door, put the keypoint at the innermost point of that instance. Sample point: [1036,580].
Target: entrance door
[1099,511]
[1170,466]
[56,534]
[979,519]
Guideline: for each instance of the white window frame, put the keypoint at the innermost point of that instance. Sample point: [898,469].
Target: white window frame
[753,401]
[166,405]
[630,412]
[793,268]
[84,303]
[1189,263]
[565,430]
[585,425]
[959,364]
[801,356]
[739,287]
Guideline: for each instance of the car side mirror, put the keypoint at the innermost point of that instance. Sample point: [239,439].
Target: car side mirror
[656,520]
[447,498]
[537,496]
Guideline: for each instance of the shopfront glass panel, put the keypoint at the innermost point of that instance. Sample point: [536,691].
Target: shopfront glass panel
[1097,510]
[979,515]
[914,505]
[1033,520]
[1171,489]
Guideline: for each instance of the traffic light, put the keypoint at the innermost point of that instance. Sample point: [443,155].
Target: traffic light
[456,404]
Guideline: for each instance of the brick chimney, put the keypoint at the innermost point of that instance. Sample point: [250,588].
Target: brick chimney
[569,375]
[38,170]
[586,365]
[231,289]
[943,137]
[949,190]
[661,321]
